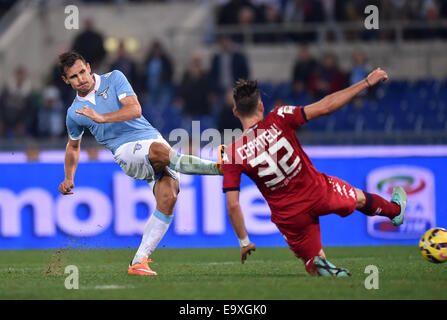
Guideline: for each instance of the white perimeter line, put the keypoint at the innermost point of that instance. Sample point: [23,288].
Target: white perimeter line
[376,151]
[325,152]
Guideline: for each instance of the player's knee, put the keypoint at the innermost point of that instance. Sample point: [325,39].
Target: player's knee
[159,154]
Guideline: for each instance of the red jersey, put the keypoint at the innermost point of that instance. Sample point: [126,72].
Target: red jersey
[271,155]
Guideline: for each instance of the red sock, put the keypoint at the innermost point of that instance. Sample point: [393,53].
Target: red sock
[377,206]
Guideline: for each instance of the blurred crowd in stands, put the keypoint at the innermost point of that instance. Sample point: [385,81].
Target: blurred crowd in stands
[201,94]
[275,14]
[276,11]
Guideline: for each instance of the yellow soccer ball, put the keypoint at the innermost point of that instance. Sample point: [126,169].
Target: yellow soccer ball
[433,245]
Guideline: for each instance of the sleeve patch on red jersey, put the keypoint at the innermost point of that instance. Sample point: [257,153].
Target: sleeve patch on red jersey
[285,109]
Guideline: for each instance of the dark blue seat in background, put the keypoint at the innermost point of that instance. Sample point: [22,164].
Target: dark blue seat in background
[375,117]
[404,106]
[436,121]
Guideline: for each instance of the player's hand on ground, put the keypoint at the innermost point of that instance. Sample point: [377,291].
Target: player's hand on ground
[92,114]
[376,76]
[66,186]
[247,251]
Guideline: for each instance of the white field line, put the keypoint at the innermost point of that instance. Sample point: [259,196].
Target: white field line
[12,269]
[106,287]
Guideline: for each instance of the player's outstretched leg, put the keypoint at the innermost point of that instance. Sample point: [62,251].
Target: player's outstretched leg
[189,164]
[319,266]
[161,155]
[304,239]
[374,205]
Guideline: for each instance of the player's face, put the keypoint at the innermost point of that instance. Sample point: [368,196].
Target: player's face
[79,77]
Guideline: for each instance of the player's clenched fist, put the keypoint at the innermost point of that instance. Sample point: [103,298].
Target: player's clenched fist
[247,250]
[66,186]
[376,76]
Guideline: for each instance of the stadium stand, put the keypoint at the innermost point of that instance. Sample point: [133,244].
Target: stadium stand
[410,109]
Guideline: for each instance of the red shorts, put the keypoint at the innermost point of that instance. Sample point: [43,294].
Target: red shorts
[302,235]
[302,231]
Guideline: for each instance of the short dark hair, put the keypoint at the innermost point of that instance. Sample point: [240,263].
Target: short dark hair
[246,96]
[67,60]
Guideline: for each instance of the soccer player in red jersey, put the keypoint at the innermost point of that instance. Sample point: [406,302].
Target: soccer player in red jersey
[270,154]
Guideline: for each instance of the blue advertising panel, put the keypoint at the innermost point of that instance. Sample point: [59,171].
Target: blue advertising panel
[109,209]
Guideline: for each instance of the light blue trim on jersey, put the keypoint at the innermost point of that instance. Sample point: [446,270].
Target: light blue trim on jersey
[163,217]
[112,86]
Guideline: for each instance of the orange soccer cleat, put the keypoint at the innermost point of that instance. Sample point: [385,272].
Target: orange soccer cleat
[220,155]
[142,268]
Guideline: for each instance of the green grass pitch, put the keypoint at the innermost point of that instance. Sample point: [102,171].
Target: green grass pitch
[217,274]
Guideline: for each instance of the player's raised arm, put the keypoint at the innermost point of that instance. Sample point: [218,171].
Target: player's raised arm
[335,101]
[72,152]
[237,221]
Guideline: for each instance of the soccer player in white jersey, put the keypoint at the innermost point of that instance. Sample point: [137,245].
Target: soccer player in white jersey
[108,107]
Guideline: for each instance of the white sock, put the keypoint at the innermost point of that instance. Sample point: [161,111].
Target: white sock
[189,164]
[155,229]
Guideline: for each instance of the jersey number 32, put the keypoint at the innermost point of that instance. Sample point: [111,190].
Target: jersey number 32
[276,167]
